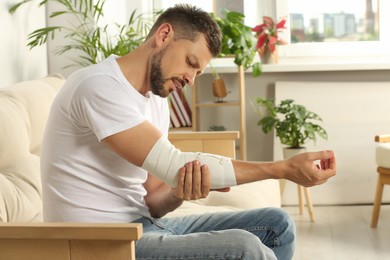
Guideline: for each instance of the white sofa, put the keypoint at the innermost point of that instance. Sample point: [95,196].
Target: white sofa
[23,112]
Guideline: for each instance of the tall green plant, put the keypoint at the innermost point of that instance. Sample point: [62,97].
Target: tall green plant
[238,40]
[88,32]
[293,123]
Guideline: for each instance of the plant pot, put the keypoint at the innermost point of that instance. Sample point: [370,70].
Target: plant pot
[289,152]
[268,57]
[219,89]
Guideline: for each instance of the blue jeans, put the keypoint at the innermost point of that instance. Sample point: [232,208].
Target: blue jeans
[266,233]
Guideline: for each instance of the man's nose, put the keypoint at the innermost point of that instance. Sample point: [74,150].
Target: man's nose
[190,79]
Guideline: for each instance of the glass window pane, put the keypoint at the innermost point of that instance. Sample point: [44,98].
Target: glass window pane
[334,20]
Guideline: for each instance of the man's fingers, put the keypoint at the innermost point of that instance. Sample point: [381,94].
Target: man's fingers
[332,162]
[188,181]
[180,183]
[321,155]
[193,181]
[205,181]
[196,181]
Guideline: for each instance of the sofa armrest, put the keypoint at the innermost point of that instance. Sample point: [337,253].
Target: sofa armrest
[69,240]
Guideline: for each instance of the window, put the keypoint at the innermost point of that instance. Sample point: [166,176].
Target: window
[334,20]
[335,27]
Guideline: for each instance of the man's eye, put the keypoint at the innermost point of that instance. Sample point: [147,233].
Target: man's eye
[189,62]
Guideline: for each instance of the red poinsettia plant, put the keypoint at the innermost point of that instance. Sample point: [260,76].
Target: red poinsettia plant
[267,34]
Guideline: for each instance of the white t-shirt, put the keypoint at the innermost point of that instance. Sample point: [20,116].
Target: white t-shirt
[82,179]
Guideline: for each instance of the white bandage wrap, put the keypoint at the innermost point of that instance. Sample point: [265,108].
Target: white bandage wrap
[164,161]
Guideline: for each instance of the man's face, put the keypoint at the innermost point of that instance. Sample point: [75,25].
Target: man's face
[177,65]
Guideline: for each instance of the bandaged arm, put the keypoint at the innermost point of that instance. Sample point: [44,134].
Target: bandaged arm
[164,161]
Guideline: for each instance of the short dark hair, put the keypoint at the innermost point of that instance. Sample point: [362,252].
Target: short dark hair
[188,22]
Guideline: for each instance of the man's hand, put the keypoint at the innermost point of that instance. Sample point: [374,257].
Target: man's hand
[311,168]
[193,182]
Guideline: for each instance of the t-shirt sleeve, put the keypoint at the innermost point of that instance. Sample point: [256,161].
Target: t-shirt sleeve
[104,106]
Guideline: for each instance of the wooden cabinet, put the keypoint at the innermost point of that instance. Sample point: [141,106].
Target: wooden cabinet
[222,143]
[198,104]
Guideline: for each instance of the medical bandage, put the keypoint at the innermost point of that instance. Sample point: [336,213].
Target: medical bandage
[164,161]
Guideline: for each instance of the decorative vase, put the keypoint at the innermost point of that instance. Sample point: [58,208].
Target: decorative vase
[219,89]
[268,57]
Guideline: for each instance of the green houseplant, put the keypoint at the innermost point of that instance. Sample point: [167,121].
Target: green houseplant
[238,40]
[94,38]
[294,125]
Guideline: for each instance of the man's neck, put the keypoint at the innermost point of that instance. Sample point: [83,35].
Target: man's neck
[135,67]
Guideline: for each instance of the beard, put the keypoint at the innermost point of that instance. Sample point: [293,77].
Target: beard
[157,79]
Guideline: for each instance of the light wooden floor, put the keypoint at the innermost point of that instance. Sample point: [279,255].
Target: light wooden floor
[342,233]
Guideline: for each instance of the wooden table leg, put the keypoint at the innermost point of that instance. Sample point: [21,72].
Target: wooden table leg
[309,204]
[300,199]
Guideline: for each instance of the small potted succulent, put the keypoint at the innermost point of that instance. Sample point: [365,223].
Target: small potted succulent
[267,35]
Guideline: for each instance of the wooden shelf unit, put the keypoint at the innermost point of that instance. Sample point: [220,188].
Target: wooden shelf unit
[240,104]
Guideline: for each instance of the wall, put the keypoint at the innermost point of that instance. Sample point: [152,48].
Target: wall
[17,62]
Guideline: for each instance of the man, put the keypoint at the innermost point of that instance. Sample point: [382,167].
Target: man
[106,157]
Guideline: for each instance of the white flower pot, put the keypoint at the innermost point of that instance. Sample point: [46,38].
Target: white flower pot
[289,152]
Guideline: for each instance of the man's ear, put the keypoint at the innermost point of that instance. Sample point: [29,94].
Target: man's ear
[164,33]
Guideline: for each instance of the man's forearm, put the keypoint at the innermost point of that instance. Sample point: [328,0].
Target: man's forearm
[307,169]
[255,171]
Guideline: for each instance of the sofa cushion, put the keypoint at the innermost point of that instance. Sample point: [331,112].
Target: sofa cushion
[382,155]
[254,195]
[24,108]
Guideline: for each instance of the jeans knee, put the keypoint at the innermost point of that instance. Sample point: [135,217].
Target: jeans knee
[281,220]
[288,226]
[249,246]
[285,233]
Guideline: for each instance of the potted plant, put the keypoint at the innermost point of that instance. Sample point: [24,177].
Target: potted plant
[237,40]
[217,128]
[293,124]
[268,38]
[89,34]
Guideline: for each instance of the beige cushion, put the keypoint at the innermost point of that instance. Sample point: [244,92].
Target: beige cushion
[383,155]
[24,109]
[248,196]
